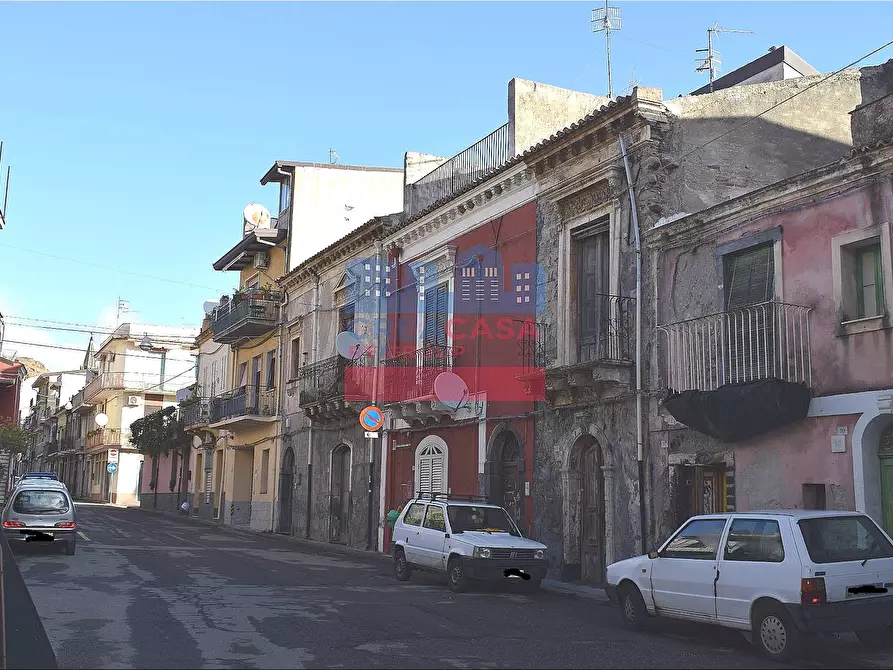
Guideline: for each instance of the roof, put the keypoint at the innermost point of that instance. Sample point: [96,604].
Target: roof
[775,56]
[793,513]
[273,176]
[242,253]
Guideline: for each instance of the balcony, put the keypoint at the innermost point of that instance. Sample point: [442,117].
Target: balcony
[336,387]
[408,382]
[106,384]
[532,352]
[195,413]
[78,403]
[245,316]
[250,404]
[769,340]
[52,447]
[106,437]
[605,353]
[462,170]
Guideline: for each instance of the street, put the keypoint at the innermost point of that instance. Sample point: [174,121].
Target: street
[149,591]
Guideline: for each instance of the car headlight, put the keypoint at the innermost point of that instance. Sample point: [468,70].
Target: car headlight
[482,552]
[539,554]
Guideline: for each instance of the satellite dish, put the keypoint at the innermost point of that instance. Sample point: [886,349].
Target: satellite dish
[209,306]
[350,345]
[102,420]
[450,389]
[256,216]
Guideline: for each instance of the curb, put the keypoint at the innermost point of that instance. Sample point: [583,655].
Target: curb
[552,585]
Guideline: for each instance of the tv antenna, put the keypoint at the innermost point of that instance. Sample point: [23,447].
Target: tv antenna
[333,156]
[5,190]
[711,62]
[123,308]
[606,19]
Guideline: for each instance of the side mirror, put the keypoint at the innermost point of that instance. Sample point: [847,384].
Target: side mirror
[653,554]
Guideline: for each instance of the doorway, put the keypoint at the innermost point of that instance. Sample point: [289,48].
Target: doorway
[592,503]
[340,495]
[506,479]
[286,491]
[700,489]
[885,453]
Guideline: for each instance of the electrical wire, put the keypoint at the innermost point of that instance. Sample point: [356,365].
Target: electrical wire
[78,349]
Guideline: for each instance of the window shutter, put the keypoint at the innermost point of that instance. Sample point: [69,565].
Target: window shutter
[436,313]
[425,473]
[750,334]
[750,277]
[437,473]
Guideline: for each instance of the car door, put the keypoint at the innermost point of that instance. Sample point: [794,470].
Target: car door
[432,537]
[684,573]
[408,532]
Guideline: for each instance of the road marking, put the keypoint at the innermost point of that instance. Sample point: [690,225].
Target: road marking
[84,537]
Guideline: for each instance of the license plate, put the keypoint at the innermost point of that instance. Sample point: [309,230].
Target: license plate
[862,590]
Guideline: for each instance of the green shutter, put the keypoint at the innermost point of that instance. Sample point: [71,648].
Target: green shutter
[750,277]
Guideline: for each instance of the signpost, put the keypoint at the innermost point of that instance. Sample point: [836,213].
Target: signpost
[371,418]
[113,457]
[112,468]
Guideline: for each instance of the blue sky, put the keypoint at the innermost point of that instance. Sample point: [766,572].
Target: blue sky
[138,131]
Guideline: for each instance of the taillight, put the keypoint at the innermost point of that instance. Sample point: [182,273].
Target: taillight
[66,524]
[13,524]
[812,591]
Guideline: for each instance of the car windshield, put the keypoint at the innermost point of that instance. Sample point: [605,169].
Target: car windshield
[483,519]
[844,538]
[41,502]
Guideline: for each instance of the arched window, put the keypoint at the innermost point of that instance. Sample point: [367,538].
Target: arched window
[431,465]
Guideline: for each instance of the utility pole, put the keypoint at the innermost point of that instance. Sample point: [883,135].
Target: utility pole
[605,20]
[711,62]
[123,308]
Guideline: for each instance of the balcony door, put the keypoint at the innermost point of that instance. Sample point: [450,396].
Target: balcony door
[749,328]
[593,274]
[254,395]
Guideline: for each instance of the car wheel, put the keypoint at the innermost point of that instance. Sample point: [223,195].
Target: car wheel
[775,633]
[70,548]
[876,638]
[402,568]
[456,579]
[632,607]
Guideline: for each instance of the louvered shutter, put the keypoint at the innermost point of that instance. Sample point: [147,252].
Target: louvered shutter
[750,330]
[436,313]
[424,473]
[437,472]
[750,277]
[593,284]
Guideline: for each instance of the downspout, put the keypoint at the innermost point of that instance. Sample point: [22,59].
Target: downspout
[376,356]
[314,334]
[280,404]
[640,451]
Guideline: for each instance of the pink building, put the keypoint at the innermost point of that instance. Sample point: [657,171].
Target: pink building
[775,342]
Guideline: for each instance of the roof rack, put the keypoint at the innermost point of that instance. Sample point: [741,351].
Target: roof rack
[436,495]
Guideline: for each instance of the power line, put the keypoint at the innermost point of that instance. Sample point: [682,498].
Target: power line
[93,331]
[78,349]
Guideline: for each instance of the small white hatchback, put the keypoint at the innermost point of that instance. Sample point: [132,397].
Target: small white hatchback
[781,575]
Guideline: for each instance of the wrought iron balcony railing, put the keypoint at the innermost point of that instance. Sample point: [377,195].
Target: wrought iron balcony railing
[463,169]
[771,339]
[532,350]
[607,329]
[110,437]
[195,412]
[336,378]
[244,401]
[132,381]
[411,376]
[245,315]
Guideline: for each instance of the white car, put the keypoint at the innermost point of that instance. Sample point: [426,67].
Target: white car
[780,575]
[467,540]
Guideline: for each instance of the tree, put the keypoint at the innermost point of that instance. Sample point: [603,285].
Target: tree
[156,435]
[13,438]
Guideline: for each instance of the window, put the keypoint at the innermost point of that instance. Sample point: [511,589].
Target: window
[814,496]
[749,280]
[863,278]
[430,469]
[284,195]
[593,301]
[472,518]
[413,515]
[295,357]
[264,470]
[346,317]
[868,281]
[41,502]
[837,539]
[243,375]
[434,518]
[698,540]
[437,311]
[271,369]
[756,540]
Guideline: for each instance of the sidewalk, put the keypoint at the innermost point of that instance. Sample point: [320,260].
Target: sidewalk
[552,585]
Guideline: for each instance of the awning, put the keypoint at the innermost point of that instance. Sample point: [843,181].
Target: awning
[738,412]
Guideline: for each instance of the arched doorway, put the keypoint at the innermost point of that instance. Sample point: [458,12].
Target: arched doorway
[286,491]
[507,471]
[885,453]
[339,509]
[587,477]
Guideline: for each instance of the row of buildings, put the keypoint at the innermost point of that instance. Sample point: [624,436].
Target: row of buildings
[607,315]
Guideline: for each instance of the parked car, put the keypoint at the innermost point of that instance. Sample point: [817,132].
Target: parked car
[41,511]
[39,475]
[465,539]
[781,575]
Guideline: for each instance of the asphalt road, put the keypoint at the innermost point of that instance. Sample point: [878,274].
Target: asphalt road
[149,591]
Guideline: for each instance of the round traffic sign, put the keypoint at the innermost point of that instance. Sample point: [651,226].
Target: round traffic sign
[112,468]
[371,418]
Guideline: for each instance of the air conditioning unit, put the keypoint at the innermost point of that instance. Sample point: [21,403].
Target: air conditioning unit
[133,401]
[262,259]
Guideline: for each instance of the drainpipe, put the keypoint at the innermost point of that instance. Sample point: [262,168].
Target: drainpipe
[640,451]
[375,359]
[314,335]
[280,405]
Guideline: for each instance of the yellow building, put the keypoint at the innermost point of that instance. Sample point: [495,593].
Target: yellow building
[234,478]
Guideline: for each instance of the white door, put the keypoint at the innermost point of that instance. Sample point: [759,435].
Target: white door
[432,537]
[409,531]
[683,576]
[753,563]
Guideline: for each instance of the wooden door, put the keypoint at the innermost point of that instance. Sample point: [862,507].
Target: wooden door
[286,492]
[340,500]
[510,478]
[592,500]
[887,492]
[594,263]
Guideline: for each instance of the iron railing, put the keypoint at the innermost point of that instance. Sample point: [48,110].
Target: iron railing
[336,378]
[771,339]
[607,329]
[532,349]
[195,412]
[411,376]
[244,401]
[77,399]
[466,167]
[253,307]
[106,437]
[132,381]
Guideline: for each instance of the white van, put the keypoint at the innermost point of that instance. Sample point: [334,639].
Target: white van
[779,574]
